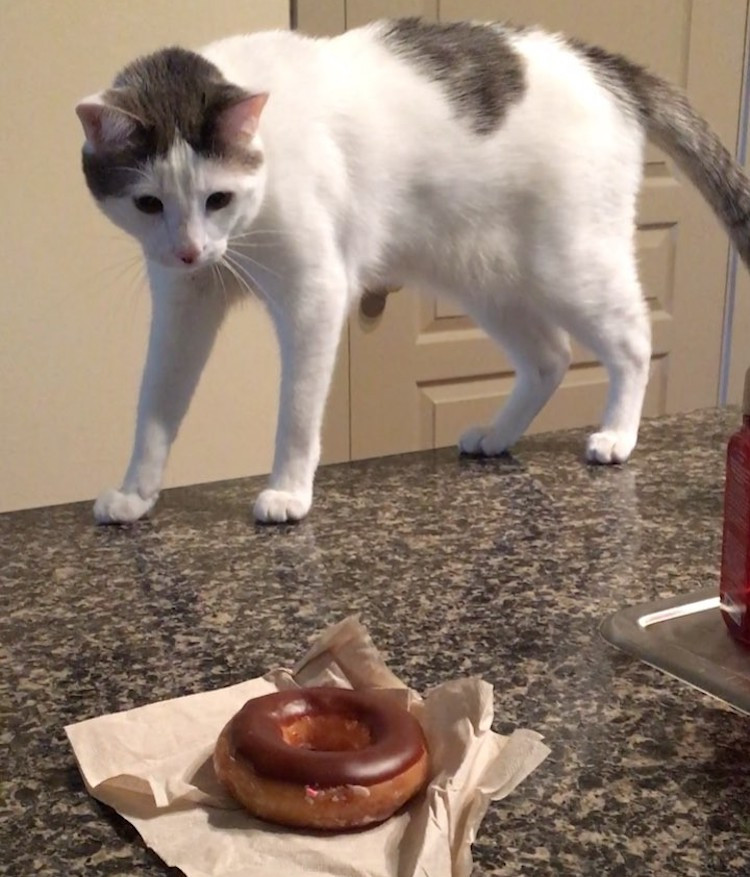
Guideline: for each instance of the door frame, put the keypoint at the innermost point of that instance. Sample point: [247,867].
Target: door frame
[734,358]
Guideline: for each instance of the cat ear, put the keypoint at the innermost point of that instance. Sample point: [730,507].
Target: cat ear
[240,120]
[105,126]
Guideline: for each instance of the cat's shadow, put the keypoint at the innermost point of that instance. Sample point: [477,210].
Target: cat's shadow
[507,461]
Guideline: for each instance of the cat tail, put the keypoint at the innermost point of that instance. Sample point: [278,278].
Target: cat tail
[672,124]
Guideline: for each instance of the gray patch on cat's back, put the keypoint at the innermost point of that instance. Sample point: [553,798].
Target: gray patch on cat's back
[669,120]
[627,81]
[173,93]
[476,64]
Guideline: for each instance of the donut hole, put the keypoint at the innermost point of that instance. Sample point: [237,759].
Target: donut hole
[327,733]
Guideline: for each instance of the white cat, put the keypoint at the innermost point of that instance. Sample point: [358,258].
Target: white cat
[497,165]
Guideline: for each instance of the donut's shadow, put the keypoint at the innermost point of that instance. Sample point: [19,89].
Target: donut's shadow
[204,779]
[401,851]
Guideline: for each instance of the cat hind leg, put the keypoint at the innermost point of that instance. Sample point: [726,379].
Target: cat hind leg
[540,353]
[626,355]
[618,331]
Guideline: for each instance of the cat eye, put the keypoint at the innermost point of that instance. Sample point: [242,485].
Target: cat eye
[148,204]
[217,200]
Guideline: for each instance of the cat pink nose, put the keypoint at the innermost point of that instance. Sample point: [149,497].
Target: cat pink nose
[187,255]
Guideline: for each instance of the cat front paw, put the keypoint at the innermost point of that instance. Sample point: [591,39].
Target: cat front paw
[115,507]
[471,441]
[610,446]
[484,441]
[278,506]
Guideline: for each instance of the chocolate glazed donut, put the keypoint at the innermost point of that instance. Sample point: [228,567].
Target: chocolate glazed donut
[322,757]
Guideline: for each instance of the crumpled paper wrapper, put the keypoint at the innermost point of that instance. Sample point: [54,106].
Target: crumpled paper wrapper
[153,765]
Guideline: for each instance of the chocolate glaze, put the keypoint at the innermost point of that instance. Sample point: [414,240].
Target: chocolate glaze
[396,738]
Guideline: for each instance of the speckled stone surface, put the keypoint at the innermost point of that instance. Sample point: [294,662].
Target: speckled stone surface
[501,568]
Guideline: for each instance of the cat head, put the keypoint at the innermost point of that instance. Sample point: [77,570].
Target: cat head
[172,156]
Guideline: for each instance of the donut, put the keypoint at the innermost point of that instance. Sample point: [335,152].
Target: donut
[322,758]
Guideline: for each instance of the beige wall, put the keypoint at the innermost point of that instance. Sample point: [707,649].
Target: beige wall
[73,312]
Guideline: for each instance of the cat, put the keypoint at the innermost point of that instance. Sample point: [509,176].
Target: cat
[495,164]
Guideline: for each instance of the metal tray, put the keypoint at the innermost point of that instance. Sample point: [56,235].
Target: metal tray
[687,638]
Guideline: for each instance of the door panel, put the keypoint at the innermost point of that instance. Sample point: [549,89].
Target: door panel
[421,372]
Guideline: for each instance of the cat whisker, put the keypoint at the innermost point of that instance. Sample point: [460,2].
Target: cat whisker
[127,262]
[256,286]
[259,245]
[240,255]
[136,283]
[127,272]
[214,274]
[265,236]
[107,276]
[242,281]
[247,281]
[225,292]
[278,231]
[123,307]
[242,273]
[248,284]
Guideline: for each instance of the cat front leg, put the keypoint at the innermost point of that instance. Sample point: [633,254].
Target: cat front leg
[309,328]
[186,316]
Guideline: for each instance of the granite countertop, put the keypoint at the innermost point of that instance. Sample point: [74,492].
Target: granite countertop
[499,568]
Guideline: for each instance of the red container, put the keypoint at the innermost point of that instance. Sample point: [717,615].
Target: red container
[735,552]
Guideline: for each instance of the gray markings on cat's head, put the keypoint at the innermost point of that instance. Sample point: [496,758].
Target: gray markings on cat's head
[477,65]
[171,94]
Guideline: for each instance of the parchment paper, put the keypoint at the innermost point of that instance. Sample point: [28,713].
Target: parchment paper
[153,765]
